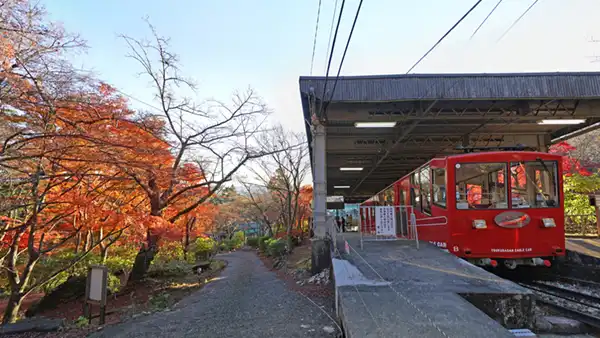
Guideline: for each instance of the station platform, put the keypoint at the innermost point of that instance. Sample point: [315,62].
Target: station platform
[393,289]
[586,246]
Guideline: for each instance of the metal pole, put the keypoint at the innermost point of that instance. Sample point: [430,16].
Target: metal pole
[413,220]
[360,225]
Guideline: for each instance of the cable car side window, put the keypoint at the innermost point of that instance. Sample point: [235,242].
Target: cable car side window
[534,184]
[481,186]
[425,185]
[439,187]
[415,195]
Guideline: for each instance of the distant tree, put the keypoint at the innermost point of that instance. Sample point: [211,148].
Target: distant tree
[219,138]
[283,172]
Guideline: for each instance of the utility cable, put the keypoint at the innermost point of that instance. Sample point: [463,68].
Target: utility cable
[331,31]
[486,18]
[518,19]
[312,61]
[331,55]
[444,36]
[337,77]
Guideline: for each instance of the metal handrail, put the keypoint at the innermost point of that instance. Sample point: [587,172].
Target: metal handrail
[445,221]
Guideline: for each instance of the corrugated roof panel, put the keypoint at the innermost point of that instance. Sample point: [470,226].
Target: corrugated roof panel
[458,86]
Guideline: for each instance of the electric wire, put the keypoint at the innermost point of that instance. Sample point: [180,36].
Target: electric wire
[312,61]
[331,31]
[486,18]
[337,77]
[444,36]
[337,28]
[518,19]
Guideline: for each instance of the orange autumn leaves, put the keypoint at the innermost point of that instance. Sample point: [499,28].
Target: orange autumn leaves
[85,151]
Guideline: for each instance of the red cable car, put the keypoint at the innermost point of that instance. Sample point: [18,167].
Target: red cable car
[499,206]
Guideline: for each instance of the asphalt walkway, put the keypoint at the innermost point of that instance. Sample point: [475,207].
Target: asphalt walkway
[247,301]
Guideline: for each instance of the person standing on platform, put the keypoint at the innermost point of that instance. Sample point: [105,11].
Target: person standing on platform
[343,224]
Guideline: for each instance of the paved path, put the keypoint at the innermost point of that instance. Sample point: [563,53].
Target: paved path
[248,301]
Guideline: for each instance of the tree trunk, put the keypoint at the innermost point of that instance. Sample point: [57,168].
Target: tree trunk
[88,241]
[11,313]
[104,253]
[147,252]
[77,242]
[186,244]
[144,258]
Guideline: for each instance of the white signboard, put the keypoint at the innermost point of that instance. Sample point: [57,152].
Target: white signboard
[96,285]
[385,221]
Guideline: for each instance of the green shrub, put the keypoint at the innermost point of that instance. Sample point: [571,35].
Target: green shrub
[253,242]
[237,240]
[119,259]
[160,301]
[169,251]
[81,321]
[204,248]
[169,269]
[262,243]
[276,248]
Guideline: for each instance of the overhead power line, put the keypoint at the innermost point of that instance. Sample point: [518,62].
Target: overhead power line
[486,18]
[337,77]
[312,61]
[444,36]
[337,28]
[518,19]
[430,106]
[331,31]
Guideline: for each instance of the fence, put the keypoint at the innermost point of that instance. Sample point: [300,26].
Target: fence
[581,225]
[389,223]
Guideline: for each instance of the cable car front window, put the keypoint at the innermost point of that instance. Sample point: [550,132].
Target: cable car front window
[481,186]
[534,184]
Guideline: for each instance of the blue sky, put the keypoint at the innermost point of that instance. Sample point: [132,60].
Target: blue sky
[267,44]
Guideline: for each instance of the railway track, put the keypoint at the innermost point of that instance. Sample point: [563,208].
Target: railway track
[586,318]
[567,294]
[578,281]
[580,306]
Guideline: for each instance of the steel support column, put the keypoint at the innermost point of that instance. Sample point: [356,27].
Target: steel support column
[321,254]
[319,180]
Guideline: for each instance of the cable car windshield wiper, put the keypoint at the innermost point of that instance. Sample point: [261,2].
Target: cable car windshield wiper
[545,166]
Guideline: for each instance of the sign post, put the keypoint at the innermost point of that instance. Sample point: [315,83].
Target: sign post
[96,291]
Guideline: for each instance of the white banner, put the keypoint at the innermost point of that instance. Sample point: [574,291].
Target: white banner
[385,221]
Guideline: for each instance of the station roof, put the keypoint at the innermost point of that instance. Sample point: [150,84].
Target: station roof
[434,113]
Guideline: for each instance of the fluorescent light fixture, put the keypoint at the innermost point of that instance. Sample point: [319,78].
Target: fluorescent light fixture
[374,124]
[351,169]
[341,186]
[562,121]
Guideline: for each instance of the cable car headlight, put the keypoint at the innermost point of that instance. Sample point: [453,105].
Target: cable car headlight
[479,224]
[548,222]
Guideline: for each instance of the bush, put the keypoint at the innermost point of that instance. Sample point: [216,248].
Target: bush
[169,251]
[204,247]
[119,259]
[276,248]
[160,301]
[237,240]
[262,243]
[169,269]
[253,242]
